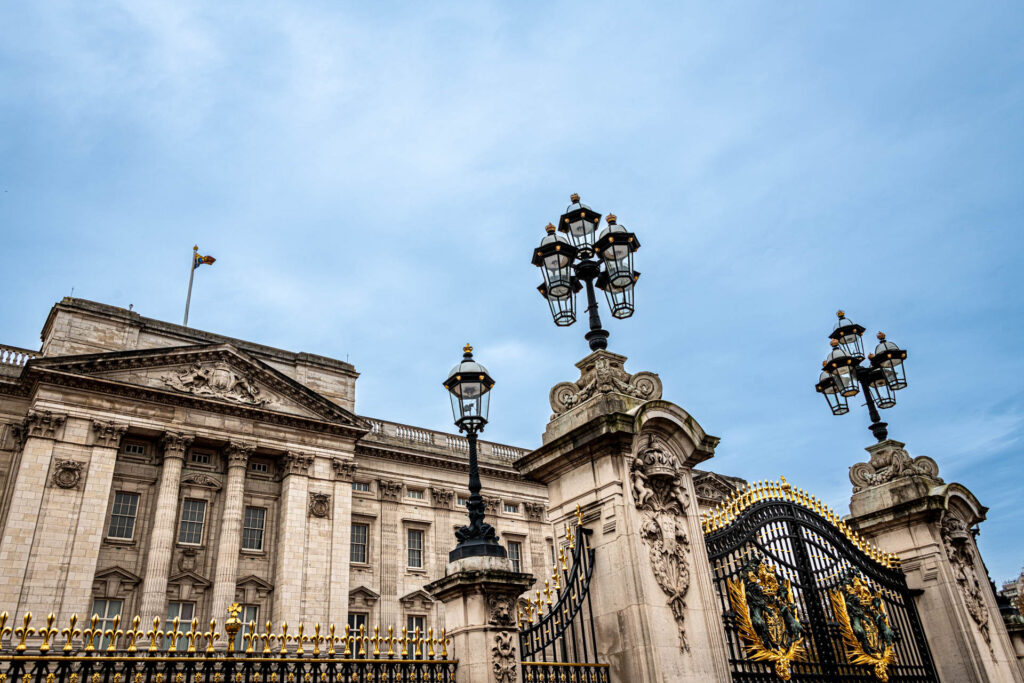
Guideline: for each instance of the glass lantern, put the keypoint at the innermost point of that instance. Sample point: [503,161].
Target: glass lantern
[580,222]
[469,386]
[889,358]
[620,299]
[848,334]
[615,246]
[842,367]
[826,386]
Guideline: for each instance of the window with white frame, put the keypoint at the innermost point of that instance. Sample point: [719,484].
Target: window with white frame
[252,528]
[512,508]
[185,611]
[515,553]
[193,516]
[414,544]
[462,500]
[360,536]
[413,622]
[122,515]
[200,458]
[357,619]
[134,448]
[416,494]
[248,614]
[259,467]
[362,486]
[106,610]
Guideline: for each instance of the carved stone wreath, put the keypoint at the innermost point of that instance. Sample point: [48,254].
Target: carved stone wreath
[319,505]
[67,474]
[660,494]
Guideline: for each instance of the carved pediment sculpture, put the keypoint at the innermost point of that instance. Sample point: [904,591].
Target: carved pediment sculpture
[659,492]
[216,380]
[601,373]
[890,461]
[202,479]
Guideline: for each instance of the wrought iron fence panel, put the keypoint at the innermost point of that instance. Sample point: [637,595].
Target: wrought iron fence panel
[804,598]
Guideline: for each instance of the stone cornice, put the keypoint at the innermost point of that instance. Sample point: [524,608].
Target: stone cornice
[426,460]
[108,434]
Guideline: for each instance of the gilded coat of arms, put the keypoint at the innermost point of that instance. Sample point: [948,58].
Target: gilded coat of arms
[766,616]
[867,636]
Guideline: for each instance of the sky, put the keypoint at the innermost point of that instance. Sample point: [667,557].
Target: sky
[372,179]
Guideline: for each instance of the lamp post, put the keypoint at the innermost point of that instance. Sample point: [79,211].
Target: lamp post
[469,385]
[843,375]
[576,260]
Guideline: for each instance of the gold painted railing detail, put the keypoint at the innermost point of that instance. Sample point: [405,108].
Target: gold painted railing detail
[727,512]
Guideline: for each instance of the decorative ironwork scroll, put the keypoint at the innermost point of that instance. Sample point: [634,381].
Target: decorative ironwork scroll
[556,628]
[804,598]
[766,615]
[867,636]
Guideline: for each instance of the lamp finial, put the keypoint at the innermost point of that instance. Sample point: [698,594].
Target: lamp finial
[574,198]
[467,348]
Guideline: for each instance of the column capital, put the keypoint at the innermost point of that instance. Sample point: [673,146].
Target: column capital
[390,490]
[42,424]
[238,453]
[175,444]
[296,463]
[108,434]
[344,470]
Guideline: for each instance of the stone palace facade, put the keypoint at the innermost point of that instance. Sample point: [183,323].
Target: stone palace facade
[149,468]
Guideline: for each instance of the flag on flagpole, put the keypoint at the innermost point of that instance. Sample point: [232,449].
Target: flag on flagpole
[198,260]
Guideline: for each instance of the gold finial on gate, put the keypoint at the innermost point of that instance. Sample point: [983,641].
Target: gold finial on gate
[212,635]
[24,632]
[113,633]
[192,635]
[4,628]
[47,633]
[134,634]
[154,634]
[579,516]
[92,633]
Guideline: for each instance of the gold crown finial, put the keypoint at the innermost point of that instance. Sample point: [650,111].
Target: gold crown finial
[611,218]
[467,348]
[195,247]
[785,484]
[834,343]
[881,336]
[841,313]
[574,198]
[549,228]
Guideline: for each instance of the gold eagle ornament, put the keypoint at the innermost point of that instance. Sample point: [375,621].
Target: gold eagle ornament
[864,625]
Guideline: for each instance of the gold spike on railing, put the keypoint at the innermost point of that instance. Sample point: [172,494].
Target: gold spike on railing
[47,633]
[24,632]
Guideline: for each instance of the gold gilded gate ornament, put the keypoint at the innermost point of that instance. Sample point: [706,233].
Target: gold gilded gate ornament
[766,616]
[864,625]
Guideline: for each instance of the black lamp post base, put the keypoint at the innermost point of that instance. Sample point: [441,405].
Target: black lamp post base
[880,430]
[477,547]
[598,339]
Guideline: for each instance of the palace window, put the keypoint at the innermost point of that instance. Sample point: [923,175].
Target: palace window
[356,619]
[106,610]
[259,467]
[252,528]
[248,613]
[414,493]
[512,508]
[362,486]
[185,611]
[193,516]
[463,501]
[122,515]
[360,532]
[413,622]
[515,553]
[415,546]
[134,448]
[200,458]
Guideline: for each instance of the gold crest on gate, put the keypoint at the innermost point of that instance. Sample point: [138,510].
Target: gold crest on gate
[864,625]
[766,616]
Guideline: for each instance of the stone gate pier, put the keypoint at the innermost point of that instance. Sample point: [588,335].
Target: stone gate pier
[625,456]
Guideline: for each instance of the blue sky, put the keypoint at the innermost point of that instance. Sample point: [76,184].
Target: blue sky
[372,177]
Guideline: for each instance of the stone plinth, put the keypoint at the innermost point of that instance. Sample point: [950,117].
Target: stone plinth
[900,504]
[479,596]
[626,459]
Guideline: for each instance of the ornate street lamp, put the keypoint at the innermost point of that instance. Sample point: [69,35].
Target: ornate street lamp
[584,258]
[469,386]
[844,375]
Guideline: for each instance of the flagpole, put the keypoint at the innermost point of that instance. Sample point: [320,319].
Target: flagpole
[191,274]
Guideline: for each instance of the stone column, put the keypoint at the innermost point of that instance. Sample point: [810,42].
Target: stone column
[392,561]
[291,537]
[230,540]
[479,596]
[626,459]
[900,504]
[337,611]
[161,535]
[39,431]
[92,517]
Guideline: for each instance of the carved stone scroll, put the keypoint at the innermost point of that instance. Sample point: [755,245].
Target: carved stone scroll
[890,461]
[601,373]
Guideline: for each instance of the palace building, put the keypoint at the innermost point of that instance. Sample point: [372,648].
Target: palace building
[149,468]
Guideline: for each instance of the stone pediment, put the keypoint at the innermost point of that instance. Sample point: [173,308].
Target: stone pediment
[712,488]
[417,600]
[215,373]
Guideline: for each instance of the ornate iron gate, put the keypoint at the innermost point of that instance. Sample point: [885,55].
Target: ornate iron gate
[556,628]
[804,598]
